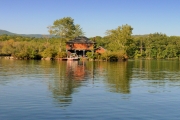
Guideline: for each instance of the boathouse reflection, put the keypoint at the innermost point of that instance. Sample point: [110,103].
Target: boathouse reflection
[68,80]
[75,70]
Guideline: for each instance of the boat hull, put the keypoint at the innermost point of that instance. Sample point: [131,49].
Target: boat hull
[70,59]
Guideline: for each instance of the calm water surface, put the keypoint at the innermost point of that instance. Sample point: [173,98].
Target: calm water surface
[134,90]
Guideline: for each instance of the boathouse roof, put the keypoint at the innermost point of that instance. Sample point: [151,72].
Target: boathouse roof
[80,39]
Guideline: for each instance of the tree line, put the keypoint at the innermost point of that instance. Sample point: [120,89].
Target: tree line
[151,46]
[119,43]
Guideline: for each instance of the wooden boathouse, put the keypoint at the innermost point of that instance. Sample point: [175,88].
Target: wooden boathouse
[80,46]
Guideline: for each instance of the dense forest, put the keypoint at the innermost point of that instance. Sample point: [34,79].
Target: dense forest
[152,46]
[118,42]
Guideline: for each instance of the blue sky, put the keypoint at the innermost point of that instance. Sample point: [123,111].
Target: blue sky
[94,16]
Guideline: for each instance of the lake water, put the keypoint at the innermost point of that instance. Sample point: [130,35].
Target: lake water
[133,90]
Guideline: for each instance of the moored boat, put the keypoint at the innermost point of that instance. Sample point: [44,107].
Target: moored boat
[71,57]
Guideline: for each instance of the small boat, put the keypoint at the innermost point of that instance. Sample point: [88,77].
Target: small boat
[72,57]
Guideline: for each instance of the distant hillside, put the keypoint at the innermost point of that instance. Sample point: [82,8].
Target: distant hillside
[6,32]
[32,35]
[27,35]
[41,35]
[145,35]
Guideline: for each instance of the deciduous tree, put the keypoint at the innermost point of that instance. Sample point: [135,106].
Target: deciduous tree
[119,37]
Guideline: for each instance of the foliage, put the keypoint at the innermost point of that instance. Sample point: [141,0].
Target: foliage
[78,31]
[119,44]
[113,56]
[152,46]
[90,55]
[28,48]
[65,28]
[49,52]
[119,37]
[61,55]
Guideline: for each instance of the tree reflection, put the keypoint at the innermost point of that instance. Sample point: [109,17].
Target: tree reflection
[118,77]
[157,74]
[69,74]
[157,70]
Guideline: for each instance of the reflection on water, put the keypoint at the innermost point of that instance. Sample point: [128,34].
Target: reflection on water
[67,77]
[94,89]
[118,77]
[156,70]
[156,75]
[72,74]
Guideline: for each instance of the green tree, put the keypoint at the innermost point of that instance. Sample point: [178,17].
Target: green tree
[78,31]
[119,37]
[65,29]
[155,45]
